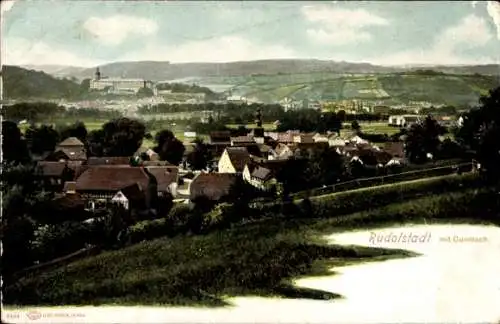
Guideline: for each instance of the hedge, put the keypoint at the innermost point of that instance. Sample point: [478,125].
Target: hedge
[374,197]
[386,179]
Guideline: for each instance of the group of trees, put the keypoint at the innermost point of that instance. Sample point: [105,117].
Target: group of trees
[19,83]
[186,88]
[311,121]
[33,112]
[480,133]
[478,137]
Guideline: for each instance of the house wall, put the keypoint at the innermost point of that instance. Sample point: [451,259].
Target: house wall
[119,198]
[336,142]
[225,165]
[246,174]
[262,185]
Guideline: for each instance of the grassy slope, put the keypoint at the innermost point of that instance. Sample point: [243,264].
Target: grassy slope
[257,259]
[451,89]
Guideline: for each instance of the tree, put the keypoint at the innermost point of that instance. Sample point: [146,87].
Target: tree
[14,147]
[42,139]
[355,126]
[423,138]
[77,130]
[201,155]
[480,133]
[168,147]
[118,137]
[145,92]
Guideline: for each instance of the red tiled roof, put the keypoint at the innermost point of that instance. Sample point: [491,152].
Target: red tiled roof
[262,173]
[133,192]
[164,176]
[111,178]
[157,163]
[109,160]
[239,156]
[214,186]
[50,168]
[220,137]
[396,149]
[242,139]
[74,153]
[71,141]
[69,186]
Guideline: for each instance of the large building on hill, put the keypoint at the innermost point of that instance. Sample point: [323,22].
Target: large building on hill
[118,85]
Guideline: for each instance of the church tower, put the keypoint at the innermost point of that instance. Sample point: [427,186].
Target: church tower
[258,132]
[97,74]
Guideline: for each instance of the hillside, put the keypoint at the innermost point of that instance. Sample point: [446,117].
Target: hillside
[162,71]
[19,83]
[390,88]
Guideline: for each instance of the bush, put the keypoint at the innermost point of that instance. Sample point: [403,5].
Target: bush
[53,241]
[177,222]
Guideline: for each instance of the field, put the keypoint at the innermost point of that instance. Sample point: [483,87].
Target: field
[373,128]
[267,126]
[252,259]
[393,88]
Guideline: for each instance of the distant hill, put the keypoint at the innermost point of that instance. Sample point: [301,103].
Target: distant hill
[163,71]
[19,83]
[59,71]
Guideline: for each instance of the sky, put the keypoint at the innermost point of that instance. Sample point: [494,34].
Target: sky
[90,33]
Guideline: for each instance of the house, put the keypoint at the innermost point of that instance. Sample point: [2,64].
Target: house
[233,160]
[287,137]
[220,137]
[190,134]
[335,141]
[320,138]
[109,160]
[242,140]
[303,138]
[130,197]
[281,151]
[259,177]
[263,175]
[66,155]
[404,120]
[147,154]
[218,141]
[357,140]
[54,174]
[396,161]
[396,149]
[216,187]
[157,164]
[101,183]
[71,149]
[70,143]
[166,177]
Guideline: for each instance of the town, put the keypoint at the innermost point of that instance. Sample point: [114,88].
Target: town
[263,162]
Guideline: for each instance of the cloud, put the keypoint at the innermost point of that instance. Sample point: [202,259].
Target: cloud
[223,49]
[6,5]
[115,29]
[493,8]
[471,32]
[20,51]
[337,26]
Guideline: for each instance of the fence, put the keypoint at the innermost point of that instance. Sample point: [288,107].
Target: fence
[380,180]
